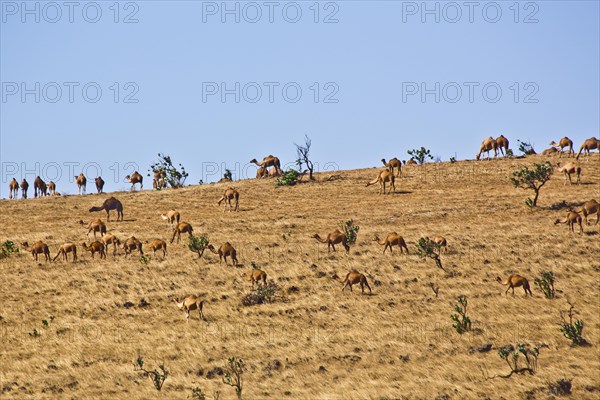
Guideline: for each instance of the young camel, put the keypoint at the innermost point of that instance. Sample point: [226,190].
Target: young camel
[111,239]
[590,207]
[191,303]
[110,204]
[487,145]
[571,219]
[262,172]
[550,152]
[568,169]
[274,172]
[132,244]
[52,188]
[134,179]
[355,277]
[226,250]
[502,144]
[180,228]
[393,163]
[99,184]
[172,218]
[392,239]
[95,247]
[81,181]
[514,281]
[562,143]
[158,244]
[65,249]
[96,226]
[383,177]
[229,195]
[268,161]
[38,248]
[590,144]
[39,187]
[13,189]
[334,238]
[256,276]
[24,188]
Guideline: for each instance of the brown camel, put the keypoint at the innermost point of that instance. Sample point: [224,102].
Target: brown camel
[262,172]
[334,238]
[159,179]
[99,184]
[13,189]
[256,276]
[172,218]
[24,188]
[268,161]
[229,195]
[132,244]
[487,145]
[134,179]
[562,143]
[550,152]
[590,144]
[65,249]
[158,244]
[180,228]
[393,163]
[392,239]
[111,239]
[38,248]
[568,169]
[81,181]
[571,219]
[355,277]
[39,187]
[226,250]
[383,177]
[441,242]
[190,303]
[274,172]
[110,204]
[514,281]
[96,226]
[590,207]
[52,188]
[502,144]
[410,162]
[95,247]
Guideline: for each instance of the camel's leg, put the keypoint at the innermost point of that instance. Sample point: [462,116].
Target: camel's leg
[362,287]
[344,287]
[580,227]
[513,288]
[507,289]
[332,246]
[187,315]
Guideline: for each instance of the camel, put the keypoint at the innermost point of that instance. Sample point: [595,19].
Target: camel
[334,238]
[256,276]
[410,162]
[172,218]
[24,188]
[589,208]
[81,181]
[262,172]
[38,248]
[13,189]
[224,180]
[502,144]
[158,244]
[39,187]
[132,244]
[274,172]
[190,303]
[590,144]
[268,161]
[392,239]
[110,204]
[95,247]
[487,145]
[52,188]
[562,143]
[571,219]
[111,239]
[159,179]
[226,250]
[134,179]
[180,228]
[96,226]
[514,281]
[229,195]
[383,177]
[568,169]
[393,163]
[65,249]
[99,184]
[355,277]
[441,242]
[550,152]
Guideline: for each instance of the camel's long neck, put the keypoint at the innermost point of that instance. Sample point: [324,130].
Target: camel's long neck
[379,241]
[320,239]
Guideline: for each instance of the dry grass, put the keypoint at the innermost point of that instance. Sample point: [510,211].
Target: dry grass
[361,341]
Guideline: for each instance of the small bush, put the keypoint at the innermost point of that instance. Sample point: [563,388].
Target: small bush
[350,230]
[198,244]
[173,176]
[462,323]
[145,259]
[512,357]
[232,374]
[158,376]
[228,175]
[262,294]
[7,248]
[533,178]
[526,148]
[546,283]
[572,330]
[420,155]
[289,178]
[427,248]
[452,160]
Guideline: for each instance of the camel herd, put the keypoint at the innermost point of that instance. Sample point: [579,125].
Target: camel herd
[501,143]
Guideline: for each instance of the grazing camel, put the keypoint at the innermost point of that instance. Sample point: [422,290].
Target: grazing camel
[226,250]
[65,249]
[514,281]
[262,172]
[256,276]
[334,238]
[95,247]
[355,277]
[134,179]
[13,189]
[441,242]
[590,207]
[158,244]
[52,188]
[487,145]
[38,248]
[571,219]
[229,195]
[502,144]
[39,187]
[24,188]
[550,152]
[568,169]
[562,143]
[111,239]
[392,239]
[96,226]
[99,184]
[190,303]
[383,177]
[268,161]
[180,228]
[590,144]
[172,218]
[393,163]
[81,181]
[110,204]
[132,244]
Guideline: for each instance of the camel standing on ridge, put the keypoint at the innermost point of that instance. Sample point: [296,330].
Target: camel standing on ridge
[13,189]
[229,195]
[487,145]
[590,207]
[159,179]
[99,184]
[562,143]
[81,181]
[568,169]
[38,248]
[132,244]
[182,227]
[514,281]
[502,144]
[590,144]
[334,238]
[134,179]
[190,303]
[110,204]
[52,188]
[172,218]
[353,277]
[571,219]
[383,177]
[268,161]
[393,163]
[65,249]
[24,188]
[39,187]
[392,239]
[226,250]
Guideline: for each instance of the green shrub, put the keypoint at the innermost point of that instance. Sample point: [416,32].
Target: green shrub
[158,376]
[546,283]
[262,294]
[533,178]
[198,244]
[173,176]
[232,374]
[7,248]
[420,155]
[462,323]
[427,248]
[289,178]
[350,230]
[572,330]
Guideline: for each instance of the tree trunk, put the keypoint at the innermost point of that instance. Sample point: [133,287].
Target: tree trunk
[537,193]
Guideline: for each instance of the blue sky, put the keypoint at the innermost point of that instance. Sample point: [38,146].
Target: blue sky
[366,66]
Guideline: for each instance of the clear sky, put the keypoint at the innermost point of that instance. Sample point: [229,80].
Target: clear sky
[376,78]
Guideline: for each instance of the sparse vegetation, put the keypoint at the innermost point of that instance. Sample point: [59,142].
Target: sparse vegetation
[523,352]
[262,294]
[572,330]
[158,376]
[174,176]
[526,148]
[228,175]
[233,373]
[420,155]
[198,244]
[350,230]
[7,248]
[461,322]
[427,248]
[533,179]
[303,152]
[289,178]
[145,259]
[546,284]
